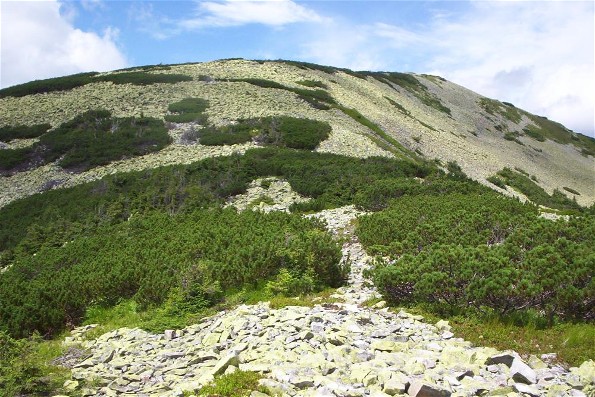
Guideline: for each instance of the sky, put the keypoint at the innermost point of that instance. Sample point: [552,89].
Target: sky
[538,55]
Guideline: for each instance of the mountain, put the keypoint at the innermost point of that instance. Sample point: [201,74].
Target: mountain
[287,228]
[370,114]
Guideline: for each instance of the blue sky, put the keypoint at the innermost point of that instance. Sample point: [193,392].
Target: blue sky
[538,55]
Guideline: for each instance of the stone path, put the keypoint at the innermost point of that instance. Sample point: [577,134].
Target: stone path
[339,349]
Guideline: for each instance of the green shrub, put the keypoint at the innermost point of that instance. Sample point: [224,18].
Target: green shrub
[9,132]
[95,138]
[13,158]
[48,85]
[192,257]
[411,84]
[143,78]
[534,133]
[81,79]
[227,135]
[312,83]
[482,252]
[295,133]
[188,110]
[571,190]
[496,181]
[534,192]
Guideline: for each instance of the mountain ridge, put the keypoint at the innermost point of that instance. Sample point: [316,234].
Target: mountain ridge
[416,115]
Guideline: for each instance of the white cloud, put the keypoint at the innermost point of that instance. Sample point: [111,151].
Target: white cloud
[237,12]
[39,42]
[540,57]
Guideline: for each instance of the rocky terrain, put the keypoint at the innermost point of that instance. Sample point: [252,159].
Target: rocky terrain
[332,349]
[470,132]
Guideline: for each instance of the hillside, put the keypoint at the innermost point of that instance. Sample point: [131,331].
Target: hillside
[403,115]
[254,228]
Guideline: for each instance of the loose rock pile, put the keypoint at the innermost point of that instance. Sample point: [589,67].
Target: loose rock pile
[339,349]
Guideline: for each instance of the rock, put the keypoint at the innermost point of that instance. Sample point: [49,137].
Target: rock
[442,325]
[70,385]
[586,372]
[535,363]
[419,389]
[223,363]
[503,358]
[379,305]
[393,386]
[526,389]
[256,393]
[169,334]
[522,373]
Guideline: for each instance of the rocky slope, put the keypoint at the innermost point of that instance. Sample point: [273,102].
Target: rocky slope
[338,349]
[427,115]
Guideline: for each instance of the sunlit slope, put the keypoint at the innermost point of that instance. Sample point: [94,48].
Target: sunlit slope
[370,114]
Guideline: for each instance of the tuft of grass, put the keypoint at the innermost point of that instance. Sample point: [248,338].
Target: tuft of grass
[236,384]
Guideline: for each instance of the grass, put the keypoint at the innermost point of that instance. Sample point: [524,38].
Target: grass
[572,342]
[235,384]
[505,110]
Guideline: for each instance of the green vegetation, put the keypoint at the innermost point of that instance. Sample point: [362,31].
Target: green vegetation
[188,110]
[524,184]
[143,78]
[279,131]
[541,129]
[496,180]
[482,253]
[318,99]
[533,132]
[11,159]
[78,80]
[48,85]
[558,133]
[91,139]
[59,215]
[312,84]
[571,190]
[190,260]
[572,342]
[236,384]
[506,110]
[394,147]
[26,369]
[411,84]
[9,132]
[513,136]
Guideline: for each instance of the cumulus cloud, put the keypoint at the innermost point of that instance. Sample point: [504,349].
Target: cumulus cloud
[38,41]
[539,57]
